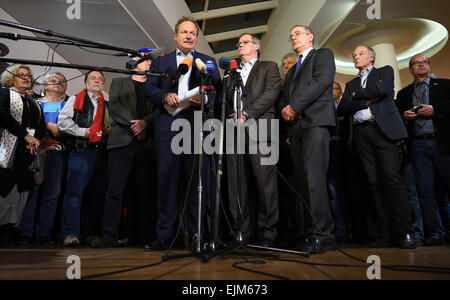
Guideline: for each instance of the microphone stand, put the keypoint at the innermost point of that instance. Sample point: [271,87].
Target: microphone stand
[79,67]
[216,212]
[67,37]
[16,37]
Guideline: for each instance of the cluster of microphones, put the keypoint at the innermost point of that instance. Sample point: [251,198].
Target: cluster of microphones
[229,66]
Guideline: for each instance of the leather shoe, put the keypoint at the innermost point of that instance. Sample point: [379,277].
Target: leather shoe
[407,242]
[159,245]
[434,240]
[317,246]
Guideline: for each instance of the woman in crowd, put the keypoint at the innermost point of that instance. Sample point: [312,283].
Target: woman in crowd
[21,126]
[53,173]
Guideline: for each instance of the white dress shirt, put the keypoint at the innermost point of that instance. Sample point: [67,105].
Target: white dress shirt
[364,114]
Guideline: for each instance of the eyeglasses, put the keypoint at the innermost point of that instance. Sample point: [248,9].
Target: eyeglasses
[244,42]
[23,76]
[296,34]
[416,63]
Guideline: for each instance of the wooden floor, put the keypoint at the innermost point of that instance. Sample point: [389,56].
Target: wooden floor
[50,264]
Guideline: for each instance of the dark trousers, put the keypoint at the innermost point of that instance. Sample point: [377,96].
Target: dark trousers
[94,197]
[267,205]
[427,161]
[173,171]
[51,188]
[310,154]
[336,186]
[380,160]
[136,165]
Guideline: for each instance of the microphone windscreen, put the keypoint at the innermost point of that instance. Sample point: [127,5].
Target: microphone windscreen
[210,66]
[224,63]
[233,65]
[188,61]
[183,68]
[200,65]
[155,53]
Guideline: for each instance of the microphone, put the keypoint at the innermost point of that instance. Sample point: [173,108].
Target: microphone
[224,63]
[233,65]
[210,67]
[183,68]
[132,64]
[200,65]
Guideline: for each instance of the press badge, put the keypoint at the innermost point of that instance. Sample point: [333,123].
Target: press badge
[31,131]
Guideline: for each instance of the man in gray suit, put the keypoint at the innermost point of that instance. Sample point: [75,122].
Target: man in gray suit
[261,88]
[131,163]
[308,107]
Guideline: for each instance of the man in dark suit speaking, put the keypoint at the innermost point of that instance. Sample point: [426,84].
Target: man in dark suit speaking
[308,106]
[375,126]
[261,88]
[168,91]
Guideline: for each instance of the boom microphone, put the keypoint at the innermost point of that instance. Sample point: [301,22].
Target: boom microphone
[132,64]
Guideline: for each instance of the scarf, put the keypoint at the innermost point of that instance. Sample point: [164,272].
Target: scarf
[96,128]
[8,141]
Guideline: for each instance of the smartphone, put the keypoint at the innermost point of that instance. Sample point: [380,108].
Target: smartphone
[417,108]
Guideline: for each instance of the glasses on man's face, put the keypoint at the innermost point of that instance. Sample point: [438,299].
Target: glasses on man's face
[296,34]
[245,43]
[423,62]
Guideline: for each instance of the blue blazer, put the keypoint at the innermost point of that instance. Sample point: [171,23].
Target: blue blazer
[157,88]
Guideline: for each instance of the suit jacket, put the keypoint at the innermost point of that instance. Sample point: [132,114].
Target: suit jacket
[310,92]
[261,92]
[123,109]
[157,88]
[440,100]
[380,84]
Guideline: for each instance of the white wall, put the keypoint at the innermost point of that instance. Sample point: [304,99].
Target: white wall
[33,50]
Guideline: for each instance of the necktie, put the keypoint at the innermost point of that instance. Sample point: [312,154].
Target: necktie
[299,64]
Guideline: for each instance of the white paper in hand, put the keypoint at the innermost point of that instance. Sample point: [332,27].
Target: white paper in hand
[184,101]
